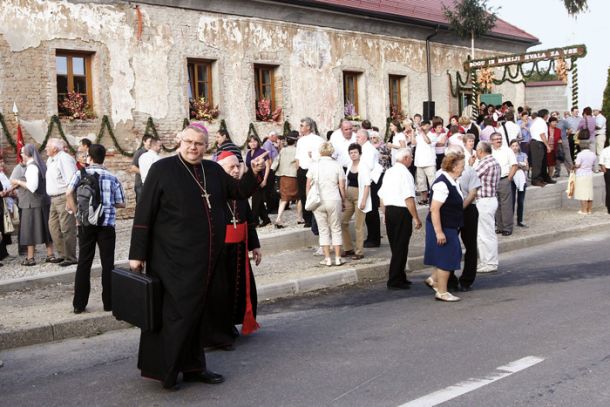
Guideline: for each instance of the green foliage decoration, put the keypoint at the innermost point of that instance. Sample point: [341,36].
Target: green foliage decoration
[106,126]
[470,18]
[286,129]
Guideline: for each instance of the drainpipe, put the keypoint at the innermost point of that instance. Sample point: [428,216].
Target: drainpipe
[428,38]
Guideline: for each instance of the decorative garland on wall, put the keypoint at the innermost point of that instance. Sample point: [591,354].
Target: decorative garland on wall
[574,83]
[106,126]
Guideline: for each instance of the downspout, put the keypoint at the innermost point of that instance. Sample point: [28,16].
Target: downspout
[428,69]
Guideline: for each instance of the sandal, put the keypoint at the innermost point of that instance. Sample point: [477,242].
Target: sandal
[446,297]
[430,283]
[53,259]
[29,262]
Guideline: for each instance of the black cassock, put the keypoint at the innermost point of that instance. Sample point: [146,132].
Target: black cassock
[181,239]
[226,302]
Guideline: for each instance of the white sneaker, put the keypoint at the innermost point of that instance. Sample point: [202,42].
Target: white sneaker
[339,261]
[487,268]
[319,252]
[326,262]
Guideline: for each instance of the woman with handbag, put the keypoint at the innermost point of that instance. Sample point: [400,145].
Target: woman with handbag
[357,201]
[586,127]
[326,179]
[554,140]
[258,198]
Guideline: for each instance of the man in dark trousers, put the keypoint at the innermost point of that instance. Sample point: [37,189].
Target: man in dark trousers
[397,195]
[179,232]
[112,197]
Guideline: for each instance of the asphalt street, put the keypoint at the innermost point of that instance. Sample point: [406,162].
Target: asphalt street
[535,333]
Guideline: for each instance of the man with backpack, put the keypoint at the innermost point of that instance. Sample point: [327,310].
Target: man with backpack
[94,194]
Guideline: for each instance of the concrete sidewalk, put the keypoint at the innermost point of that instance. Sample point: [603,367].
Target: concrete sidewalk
[41,311]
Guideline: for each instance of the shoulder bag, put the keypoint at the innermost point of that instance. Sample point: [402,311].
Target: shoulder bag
[313,197]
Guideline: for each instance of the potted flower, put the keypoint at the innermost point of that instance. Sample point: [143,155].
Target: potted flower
[74,107]
[349,111]
[264,113]
[201,109]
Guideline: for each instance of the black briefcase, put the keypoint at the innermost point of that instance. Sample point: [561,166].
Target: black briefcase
[136,299]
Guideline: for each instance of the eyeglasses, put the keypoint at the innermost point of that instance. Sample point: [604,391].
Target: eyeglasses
[190,143]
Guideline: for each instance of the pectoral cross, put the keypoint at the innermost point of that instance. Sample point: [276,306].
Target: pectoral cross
[207,198]
[234,222]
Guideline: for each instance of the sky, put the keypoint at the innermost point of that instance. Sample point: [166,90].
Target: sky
[549,21]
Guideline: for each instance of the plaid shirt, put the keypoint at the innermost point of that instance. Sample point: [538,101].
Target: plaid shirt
[111,191]
[488,171]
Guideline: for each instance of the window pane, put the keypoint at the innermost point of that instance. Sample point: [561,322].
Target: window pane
[62,65]
[62,84]
[204,90]
[78,65]
[80,84]
[266,77]
[191,84]
[200,72]
[267,92]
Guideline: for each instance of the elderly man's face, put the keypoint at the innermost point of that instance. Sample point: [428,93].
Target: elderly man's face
[362,137]
[192,146]
[496,141]
[304,129]
[51,150]
[346,129]
[231,166]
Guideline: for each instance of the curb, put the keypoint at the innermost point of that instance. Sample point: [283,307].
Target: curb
[98,324]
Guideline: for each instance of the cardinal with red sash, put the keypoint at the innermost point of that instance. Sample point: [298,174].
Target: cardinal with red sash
[232,299]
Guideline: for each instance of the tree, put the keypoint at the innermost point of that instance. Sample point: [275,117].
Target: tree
[575,7]
[606,104]
[470,18]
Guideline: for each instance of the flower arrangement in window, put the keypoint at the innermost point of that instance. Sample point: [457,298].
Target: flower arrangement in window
[396,113]
[349,110]
[201,109]
[264,113]
[74,107]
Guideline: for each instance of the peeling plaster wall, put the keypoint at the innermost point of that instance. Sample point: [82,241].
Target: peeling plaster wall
[134,80]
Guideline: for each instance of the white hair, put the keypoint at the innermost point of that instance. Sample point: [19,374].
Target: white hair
[57,143]
[403,153]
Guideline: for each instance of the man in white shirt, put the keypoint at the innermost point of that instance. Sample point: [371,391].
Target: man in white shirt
[539,147]
[397,196]
[308,150]
[370,158]
[600,131]
[341,139]
[425,159]
[149,158]
[509,129]
[508,167]
[62,224]
[604,166]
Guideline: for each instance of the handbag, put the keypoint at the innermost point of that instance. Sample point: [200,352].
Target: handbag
[136,299]
[560,154]
[571,185]
[313,196]
[7,219]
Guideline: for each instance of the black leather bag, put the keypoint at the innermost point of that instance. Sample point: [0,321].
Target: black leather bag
[136,299]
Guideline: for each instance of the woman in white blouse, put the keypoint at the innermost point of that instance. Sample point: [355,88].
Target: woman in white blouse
[330,179]
[357,201]
[399,140]
[34,204]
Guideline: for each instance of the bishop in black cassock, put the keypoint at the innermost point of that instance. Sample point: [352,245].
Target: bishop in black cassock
[179,233]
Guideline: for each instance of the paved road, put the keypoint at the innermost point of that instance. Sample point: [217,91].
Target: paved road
[546,311]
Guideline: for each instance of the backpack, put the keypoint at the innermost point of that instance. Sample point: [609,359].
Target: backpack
[88,199]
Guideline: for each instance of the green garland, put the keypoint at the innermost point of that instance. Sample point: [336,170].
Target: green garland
[6,133]
[106,126]
[252,132]
[286,130]
[386,137]
[55,121]
[574,69]
[185,123]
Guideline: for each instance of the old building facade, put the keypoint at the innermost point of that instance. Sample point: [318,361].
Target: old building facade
[135,60]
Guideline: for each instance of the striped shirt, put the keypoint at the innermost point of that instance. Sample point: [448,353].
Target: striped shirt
[111,191]
[488,171]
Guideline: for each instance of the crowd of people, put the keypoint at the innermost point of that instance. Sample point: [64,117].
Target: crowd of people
[195,229]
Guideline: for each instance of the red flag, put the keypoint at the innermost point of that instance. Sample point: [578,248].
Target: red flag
[20,143]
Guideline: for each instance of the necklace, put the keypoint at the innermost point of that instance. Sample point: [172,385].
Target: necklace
[204,192]
[233,217]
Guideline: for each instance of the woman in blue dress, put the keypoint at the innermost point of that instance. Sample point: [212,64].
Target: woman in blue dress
[443,249]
